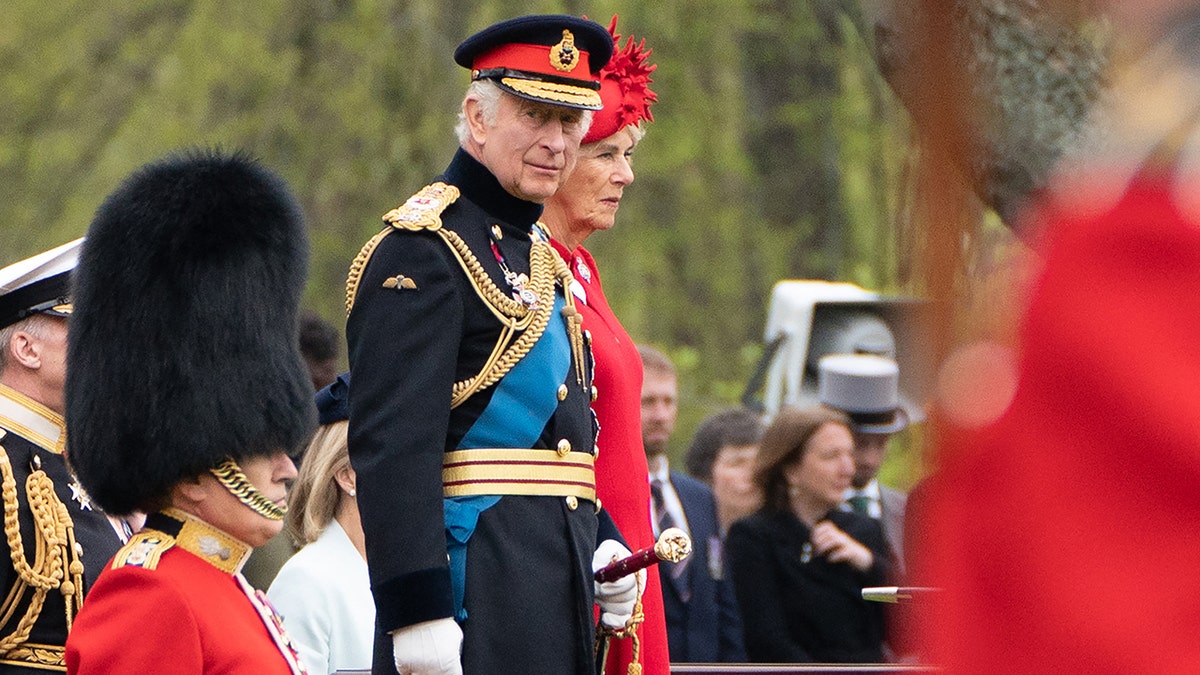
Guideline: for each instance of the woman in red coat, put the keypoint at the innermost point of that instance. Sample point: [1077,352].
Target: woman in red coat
[586,203]
[185,391]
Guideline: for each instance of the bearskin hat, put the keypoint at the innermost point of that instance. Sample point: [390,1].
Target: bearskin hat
[183,347]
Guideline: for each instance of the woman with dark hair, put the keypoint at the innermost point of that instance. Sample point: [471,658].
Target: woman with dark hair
[799,564]
[723,454]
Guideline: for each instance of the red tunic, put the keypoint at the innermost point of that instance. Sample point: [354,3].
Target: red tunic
[622,476]
[165,607]
[1065,532]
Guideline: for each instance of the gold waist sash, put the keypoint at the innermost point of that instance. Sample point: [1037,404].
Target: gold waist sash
[510,471]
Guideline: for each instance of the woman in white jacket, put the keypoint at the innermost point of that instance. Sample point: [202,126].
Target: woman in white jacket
[323,591]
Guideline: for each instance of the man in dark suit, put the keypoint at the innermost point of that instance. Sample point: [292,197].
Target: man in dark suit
[703,624]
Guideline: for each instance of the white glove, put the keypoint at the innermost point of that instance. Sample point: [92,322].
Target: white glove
[616,598]
[428,648]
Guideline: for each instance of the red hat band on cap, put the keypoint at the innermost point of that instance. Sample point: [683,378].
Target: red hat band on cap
[624,88]
[557,60]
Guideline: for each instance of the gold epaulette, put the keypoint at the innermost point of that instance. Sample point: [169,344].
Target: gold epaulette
[422,211]
[144,550]
[523,324]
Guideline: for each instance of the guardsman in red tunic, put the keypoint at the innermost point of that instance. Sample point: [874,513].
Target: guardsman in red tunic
[187,394]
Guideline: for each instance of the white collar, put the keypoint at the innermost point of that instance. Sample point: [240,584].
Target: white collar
[31,420]
[660,469]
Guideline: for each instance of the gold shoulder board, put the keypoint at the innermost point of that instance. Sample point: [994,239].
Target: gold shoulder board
[422,211]
[144,550]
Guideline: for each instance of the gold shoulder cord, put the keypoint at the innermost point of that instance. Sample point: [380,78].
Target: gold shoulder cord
[55,549]
[423,211]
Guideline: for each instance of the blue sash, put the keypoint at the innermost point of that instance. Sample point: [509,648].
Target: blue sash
[522,403]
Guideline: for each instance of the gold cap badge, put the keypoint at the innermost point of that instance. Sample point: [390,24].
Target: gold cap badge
[564,56]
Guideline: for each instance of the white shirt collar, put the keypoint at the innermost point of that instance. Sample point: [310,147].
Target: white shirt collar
[660,468]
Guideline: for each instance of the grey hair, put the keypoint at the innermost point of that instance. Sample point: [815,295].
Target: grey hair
[36,325]
[488,93]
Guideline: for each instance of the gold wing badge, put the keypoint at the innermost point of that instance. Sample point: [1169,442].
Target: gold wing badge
[400,283]
[422,211]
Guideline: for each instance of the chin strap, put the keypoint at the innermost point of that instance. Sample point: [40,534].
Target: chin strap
[230,475]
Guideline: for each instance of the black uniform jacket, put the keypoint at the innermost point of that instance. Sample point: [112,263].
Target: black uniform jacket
[528,585]
[32,439]
[799,608]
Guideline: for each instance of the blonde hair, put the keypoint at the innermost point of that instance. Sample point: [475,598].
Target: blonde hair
[314,497]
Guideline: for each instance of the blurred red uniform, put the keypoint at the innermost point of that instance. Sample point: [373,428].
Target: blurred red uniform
[1064,533]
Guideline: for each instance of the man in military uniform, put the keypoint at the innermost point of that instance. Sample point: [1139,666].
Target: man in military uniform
[470,421]
[57,542]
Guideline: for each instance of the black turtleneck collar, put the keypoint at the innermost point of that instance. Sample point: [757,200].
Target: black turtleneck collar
[481,187]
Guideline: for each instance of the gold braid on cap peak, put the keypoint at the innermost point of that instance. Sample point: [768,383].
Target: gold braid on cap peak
[229,474]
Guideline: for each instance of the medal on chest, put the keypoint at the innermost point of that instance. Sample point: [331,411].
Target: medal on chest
[519,283]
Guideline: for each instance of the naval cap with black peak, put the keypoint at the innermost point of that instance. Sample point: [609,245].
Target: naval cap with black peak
[40,284]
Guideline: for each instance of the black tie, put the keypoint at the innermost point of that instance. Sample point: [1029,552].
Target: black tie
[660,506]
[665,521]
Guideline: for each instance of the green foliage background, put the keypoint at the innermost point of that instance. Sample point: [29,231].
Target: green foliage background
[776,152]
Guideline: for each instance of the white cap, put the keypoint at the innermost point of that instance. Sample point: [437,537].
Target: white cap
[40,283]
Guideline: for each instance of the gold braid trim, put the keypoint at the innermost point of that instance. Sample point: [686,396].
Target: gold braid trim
[55,543]
[423,211]
[629,630]
[501,303]
[571,314]
[359,264]
[30,655]
[230,475]
[541,272]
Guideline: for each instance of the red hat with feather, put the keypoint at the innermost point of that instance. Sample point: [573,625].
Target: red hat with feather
[624,88]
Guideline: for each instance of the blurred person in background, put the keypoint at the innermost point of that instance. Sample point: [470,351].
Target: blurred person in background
[703,625]
[323,592]
[866,388]
[320,345]
[723,454]
[799,565]
[585,204]
[1061,522]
